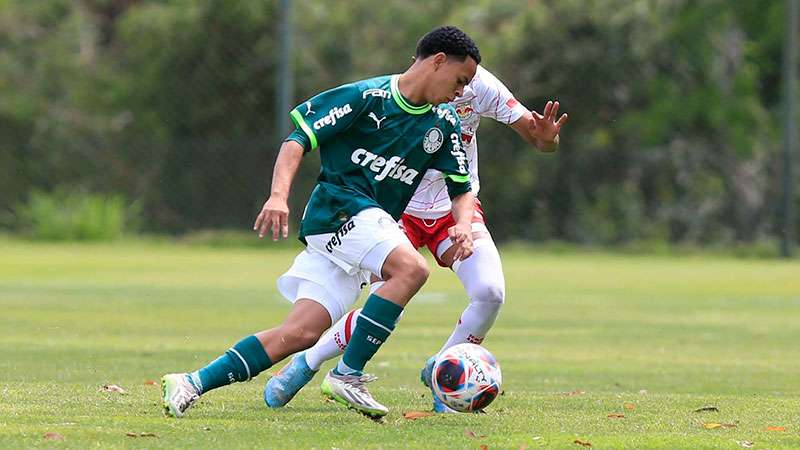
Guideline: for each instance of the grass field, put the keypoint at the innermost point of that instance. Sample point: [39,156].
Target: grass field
[582,336]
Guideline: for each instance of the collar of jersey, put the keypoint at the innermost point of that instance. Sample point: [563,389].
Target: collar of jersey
[402,102]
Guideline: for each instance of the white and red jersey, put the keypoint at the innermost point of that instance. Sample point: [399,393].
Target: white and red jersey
[484,96]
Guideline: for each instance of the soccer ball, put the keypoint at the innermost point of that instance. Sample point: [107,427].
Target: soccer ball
[466,377]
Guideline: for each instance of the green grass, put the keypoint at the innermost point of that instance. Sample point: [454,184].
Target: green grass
[666,334]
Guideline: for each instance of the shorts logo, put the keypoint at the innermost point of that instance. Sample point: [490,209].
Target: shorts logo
[336,240]
[433,140]
[333,115]
[308,109]
[385,168]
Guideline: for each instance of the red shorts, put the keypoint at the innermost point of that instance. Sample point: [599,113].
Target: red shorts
[431,232]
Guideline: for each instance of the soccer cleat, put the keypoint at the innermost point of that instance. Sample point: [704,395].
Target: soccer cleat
[351,391]
[427,372]
[281,388]
[179,394]
[425,376]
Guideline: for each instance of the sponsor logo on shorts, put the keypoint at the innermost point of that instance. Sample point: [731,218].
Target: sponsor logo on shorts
[433,140]
[384,168]
[336,240]
[333,116]
[512,102]
[374,340]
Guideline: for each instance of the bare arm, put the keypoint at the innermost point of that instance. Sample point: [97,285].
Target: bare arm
[541,130]
[275,213]
[461,233]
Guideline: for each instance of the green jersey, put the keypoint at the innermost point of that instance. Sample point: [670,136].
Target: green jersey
[375,148]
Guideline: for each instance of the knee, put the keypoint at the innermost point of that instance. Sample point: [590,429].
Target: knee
[418,270]
[490,293]
[407,267]
[412,268]
[298,337]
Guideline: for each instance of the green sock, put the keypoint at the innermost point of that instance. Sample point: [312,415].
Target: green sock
[241,362]
[374,324]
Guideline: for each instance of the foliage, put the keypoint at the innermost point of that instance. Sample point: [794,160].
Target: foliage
[71,215]
[675,107]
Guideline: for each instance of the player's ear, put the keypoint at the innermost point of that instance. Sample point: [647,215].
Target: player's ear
[439,59]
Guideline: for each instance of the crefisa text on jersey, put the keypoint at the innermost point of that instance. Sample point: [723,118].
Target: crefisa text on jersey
[392,167]
[446,114]
[461,157]
[333,115]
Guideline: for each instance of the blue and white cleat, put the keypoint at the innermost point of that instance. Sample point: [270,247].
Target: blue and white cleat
[425,376]
[281,388]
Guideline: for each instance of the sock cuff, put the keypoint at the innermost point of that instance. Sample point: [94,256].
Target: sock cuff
[251,353]
[381,312]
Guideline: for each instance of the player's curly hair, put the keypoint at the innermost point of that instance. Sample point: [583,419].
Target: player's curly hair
[449,40]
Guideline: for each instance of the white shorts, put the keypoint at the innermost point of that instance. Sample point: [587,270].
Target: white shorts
[334,267]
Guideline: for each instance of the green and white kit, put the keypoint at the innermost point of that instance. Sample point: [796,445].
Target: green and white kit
[375,147]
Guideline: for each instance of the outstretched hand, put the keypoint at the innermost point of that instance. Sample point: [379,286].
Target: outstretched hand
[545,127]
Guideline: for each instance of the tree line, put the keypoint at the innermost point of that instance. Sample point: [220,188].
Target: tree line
[675,107]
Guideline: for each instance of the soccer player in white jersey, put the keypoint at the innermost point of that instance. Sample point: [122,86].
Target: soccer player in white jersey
[425,222]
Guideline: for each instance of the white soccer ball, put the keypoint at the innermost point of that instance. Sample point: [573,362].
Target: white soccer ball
[466,377]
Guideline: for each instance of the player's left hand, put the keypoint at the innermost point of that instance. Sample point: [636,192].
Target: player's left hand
[461,235]
[545,127]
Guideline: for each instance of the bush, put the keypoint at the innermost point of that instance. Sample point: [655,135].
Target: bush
[75,215]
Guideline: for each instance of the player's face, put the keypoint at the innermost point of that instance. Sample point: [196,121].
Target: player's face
[449,78]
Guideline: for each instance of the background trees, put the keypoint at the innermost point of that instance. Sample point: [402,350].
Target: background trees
[675,107]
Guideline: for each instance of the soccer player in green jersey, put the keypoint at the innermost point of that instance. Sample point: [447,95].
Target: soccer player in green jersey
[376,138]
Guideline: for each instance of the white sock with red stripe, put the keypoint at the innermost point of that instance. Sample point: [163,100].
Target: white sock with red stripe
[334,341]
[482,277]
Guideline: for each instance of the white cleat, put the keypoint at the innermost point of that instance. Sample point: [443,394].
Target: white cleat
[351,391]
[179,394]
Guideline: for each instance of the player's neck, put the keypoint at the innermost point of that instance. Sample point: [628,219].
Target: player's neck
[412,86]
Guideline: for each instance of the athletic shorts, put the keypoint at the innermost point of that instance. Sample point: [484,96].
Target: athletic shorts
[334,267]
[432,233]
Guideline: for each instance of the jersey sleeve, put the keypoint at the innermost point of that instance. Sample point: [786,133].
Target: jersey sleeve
[451,159]
[495,100]
[325,115]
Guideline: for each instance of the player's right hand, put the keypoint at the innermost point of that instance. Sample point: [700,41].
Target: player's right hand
[461,236]
[275,215]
